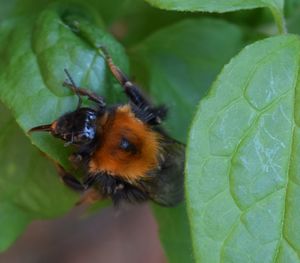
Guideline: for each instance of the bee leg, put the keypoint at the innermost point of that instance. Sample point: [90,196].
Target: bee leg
[74,88]
[69,179]
[148,113]
[131,90]
[91,196]
[89,181]
[84,92]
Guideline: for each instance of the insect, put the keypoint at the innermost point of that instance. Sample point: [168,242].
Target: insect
[123,152]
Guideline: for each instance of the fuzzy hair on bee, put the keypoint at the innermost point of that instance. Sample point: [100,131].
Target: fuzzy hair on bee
[123,151]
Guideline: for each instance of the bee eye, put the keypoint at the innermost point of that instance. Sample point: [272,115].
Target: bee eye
[124,144]
[127,145]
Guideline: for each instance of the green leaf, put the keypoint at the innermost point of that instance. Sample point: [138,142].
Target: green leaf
[177,65]
[32,7]
[276,7]
[24,183]
[137,20]
[13,221]
[242,167]
[174,233]
[35,53]
[215,6]
[294,20]
[291,7]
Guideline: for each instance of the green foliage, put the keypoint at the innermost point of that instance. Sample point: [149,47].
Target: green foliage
[241,172]
[24,182]
[215,6]
[276,6]
[170,69]
[32,70]
[175,63]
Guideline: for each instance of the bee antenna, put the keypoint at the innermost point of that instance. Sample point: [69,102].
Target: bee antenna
[70,78]
[74,87]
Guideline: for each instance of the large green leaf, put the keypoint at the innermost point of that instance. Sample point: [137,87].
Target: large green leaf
[276,6]
[177,65]
[242,168]
[34,54]
[24,183]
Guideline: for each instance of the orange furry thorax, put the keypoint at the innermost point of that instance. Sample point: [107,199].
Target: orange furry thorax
[112,159]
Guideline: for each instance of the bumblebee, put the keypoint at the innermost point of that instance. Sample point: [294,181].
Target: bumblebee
[123,152]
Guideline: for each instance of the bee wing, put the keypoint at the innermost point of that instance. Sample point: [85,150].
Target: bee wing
[166,187]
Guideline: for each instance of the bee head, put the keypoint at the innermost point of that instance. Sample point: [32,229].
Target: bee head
[77,127]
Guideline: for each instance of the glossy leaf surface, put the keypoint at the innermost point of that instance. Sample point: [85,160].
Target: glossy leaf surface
[243,159]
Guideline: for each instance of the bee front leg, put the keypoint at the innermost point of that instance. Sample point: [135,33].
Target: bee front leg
[89,196]
[85,92]
[69,179]
[145,110]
